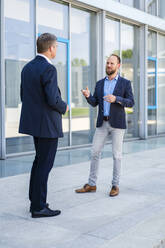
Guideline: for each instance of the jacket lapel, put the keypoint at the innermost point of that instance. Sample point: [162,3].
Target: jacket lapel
[117,85]
[102,87]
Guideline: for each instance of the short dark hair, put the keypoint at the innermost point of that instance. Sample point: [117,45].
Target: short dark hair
[118,58]
[44,41]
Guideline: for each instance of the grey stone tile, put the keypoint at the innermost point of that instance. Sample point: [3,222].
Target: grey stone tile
[126,241]
[29,234]
[153,227]
[122,224]
[83,241]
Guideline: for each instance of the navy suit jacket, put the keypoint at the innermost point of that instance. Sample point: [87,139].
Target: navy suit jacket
[42,106]
[123,93]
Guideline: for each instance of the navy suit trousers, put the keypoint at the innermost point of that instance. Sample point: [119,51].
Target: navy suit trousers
[45,154]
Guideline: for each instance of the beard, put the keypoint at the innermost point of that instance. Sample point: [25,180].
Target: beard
[110,72]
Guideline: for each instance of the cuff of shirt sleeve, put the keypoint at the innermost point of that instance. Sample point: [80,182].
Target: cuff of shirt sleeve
[118,99]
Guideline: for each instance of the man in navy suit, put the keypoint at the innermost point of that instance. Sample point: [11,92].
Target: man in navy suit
[112,94]
[41,117]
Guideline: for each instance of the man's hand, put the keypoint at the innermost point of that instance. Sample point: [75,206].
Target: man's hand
[67,108]
[110,98]
[86,92]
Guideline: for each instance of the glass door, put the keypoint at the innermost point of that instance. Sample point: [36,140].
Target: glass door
[61,63]
[152,96]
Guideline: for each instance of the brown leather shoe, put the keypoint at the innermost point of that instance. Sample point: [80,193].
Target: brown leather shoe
[86,188]
[114,191]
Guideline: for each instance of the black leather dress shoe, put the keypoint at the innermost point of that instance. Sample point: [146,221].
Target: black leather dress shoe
[30,210]
[45,212]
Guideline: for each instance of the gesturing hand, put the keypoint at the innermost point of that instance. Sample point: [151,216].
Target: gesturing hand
[110,98]
[86,92]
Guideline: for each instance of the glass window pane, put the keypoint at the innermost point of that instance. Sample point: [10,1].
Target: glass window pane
[161,8]
[128,2]
[152,44]
[19,49]
[130,70]
[52,17]
[60,63]
[152,7]
[151,83]
[19,34]
[151,122]
[161,83]
[132,3]
[112,38]
[81,69]
[152,52]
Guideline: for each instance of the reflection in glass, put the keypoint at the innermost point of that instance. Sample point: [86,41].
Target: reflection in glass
[81,69]
[152,7]
[152,43]
[161,84]
[52,18]
[60,63]
[151,83]
[132,3]
[19,29]
[130,70]
[112,38]
[19,49]
[161,8]
[151,122]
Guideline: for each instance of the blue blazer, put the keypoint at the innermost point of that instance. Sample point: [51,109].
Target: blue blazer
[123,93]
[42,105]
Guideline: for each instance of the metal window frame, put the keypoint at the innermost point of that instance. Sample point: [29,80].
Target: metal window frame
[2,84]
[156,84]
[143,128]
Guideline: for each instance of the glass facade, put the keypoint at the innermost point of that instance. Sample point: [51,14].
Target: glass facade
[112,37]
[161,84]
[78,63]
[161,9]
[52,17]
[19,49]
[152,83]
[152,7]
[131,3]
[129,53]
[81,58]
[130,70]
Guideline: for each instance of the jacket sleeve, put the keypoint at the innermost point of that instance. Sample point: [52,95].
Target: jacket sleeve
[128,99]
[93,100]
[52,94]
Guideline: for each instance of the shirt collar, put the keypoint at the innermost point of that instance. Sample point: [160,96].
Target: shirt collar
[42,55]
[116,78]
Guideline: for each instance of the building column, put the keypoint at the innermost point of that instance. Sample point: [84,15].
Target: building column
[100,44]
[143,130]
[2,85]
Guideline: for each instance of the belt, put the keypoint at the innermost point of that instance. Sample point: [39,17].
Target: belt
[106,118]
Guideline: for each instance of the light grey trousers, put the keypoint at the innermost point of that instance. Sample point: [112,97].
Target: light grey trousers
[99,141]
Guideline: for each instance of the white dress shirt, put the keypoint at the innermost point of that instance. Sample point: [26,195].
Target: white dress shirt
[42,55]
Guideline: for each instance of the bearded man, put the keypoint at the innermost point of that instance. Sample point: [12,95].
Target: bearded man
[112,94]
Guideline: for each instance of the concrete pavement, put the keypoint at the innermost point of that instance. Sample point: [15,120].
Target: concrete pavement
[134,219]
